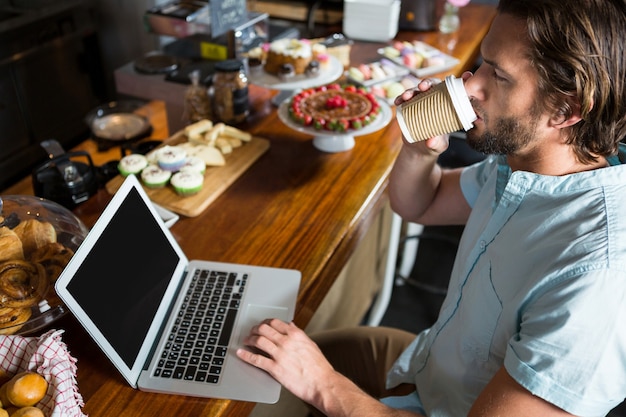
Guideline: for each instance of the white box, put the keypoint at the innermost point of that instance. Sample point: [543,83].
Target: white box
[371,20]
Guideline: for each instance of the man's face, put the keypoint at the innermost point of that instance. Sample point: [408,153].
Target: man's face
[503,92]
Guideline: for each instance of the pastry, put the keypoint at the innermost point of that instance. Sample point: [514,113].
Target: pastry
[54,257]
[13,319]
[320,54]
[10,245]
[26,389]
[22,283]
[35,234]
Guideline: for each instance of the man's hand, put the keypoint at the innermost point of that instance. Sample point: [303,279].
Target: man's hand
[433,146]
[293,359]
[288,355]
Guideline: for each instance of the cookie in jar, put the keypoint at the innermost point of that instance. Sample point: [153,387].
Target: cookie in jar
[230,91]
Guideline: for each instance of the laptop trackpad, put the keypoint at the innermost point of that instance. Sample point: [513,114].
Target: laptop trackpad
[255,314]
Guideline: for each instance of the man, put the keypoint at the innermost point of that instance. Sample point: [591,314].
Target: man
[533,324]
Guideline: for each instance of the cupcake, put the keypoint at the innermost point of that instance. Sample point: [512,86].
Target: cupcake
[255,60]
[320,54]
[187,182]
[255,65]
[154,176]
[132,164]
[194,163]
[171,158]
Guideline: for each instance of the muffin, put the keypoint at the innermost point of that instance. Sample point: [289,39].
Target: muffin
[187,182]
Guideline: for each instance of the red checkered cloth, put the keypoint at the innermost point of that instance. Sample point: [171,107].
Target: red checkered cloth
[48,356]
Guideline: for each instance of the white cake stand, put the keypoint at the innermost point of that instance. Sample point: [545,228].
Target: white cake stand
[332,72]
[329,141]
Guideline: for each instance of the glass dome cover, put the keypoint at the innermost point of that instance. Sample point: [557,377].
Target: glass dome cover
[37,239]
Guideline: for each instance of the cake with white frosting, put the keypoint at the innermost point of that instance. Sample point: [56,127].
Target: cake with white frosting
[295,52]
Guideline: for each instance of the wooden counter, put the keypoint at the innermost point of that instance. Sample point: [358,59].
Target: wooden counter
[296,207]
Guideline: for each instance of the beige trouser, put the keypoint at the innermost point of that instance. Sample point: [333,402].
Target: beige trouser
[364,355]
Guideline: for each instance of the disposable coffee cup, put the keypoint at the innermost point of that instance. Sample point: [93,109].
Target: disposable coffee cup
[444,108]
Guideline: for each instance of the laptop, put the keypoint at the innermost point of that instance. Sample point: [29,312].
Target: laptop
[163,320]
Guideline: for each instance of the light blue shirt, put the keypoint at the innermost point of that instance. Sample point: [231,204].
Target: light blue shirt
[539,286]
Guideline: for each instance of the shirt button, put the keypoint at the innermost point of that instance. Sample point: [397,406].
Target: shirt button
[483,244]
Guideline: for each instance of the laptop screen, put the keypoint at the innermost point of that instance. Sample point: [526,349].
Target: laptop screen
[125,275]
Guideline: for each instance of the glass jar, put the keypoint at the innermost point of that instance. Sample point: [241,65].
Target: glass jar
[449,27]
[449,22]
[230,91]
[197,100]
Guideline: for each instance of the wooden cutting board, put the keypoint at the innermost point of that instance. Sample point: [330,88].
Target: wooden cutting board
[216,179]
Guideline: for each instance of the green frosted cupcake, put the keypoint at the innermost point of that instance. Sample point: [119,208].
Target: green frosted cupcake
[132,164]
[187,182]
[194,163]
[155,177]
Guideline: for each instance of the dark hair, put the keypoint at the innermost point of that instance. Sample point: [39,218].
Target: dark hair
[576,47]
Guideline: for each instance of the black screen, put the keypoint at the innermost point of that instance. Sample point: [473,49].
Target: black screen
[122,280]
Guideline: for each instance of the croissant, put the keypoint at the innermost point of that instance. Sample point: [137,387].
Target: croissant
[10,245]
[35,234]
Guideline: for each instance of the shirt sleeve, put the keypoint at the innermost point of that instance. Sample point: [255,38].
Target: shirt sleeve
[474,177]
[570,350]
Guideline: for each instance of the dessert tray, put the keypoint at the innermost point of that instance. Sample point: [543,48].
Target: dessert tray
[326,75]
[439,61]
[217,179]
[384,78]
[376,72]
[331,141]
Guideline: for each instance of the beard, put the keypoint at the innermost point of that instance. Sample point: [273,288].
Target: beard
[507,135]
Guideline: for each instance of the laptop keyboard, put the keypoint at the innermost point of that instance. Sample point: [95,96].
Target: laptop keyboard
[198,341]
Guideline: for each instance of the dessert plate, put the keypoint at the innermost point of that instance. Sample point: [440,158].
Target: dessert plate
[330,141]
[327,75]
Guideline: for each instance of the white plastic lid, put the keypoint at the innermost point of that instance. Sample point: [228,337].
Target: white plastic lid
[461,101]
